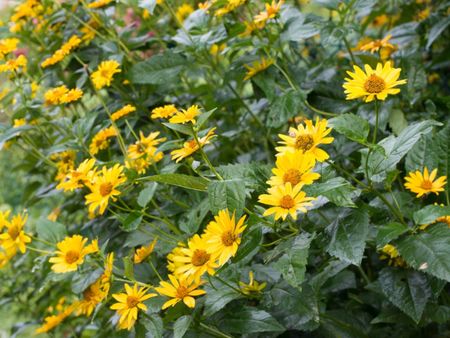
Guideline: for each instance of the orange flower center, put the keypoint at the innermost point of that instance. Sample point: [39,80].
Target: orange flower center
[182,292]
[374,84]
[192,144]
[106,188]
[292,176]
[304,142]
[88,294]
[228,238]
[200,257]
[13,232]
[72,256]
[427,185]
[132,301]
[105,73]
[287,202]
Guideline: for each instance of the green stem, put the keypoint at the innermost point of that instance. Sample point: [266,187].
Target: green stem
[39,250]
[205,157]
[213,331]
[155,271]
[349,50]
[363,274]
[132,281]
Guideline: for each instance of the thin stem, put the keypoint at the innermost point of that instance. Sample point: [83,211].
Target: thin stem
[132,281]
[155,271]
[229,285]
[213,331]
[39,250]
[363,274]
[41,240]
[374,139]
[349,50]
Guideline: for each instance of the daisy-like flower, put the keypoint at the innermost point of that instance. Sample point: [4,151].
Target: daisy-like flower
[7,46]
[191,146]
[14,65]
[5,256]
[257,67]
[183,12]
[185,116]
[61,53]
[179,289]
[196,259]
[307,138]
[164,112]
[71,252]
[71,96]
[143,163]
[373,84]
[53,95]
[101,140]
[129,303]
[104,74]
[171,264]
[15,238]
[423,184]
[4,217]
[270,12]
[99,3]
[54,320]
[145,145]
[123,112]
[223,235]
[383,45]
[229,6]
[294,167]
[253,287]
[390,252]
[103,188]
[75,179]
[143,252]
[19,122]
[285,200]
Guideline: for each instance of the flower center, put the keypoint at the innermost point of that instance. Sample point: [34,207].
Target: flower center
[72,256]
[228,238]
[374,84]
[287,202]
[200,257]
[105,73]
[292,176]
[88,294]
[106,188]
[192,144]
[427,185]
[304,142]
[132,301]
[182,291]
[13,232]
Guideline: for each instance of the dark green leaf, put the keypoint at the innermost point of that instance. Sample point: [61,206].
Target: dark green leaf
[389,232]
[215,300]
[146,194]
[251,241]
[437,30]
[50,231]
[154,326]
[180,128]
[250,320]
[181,326]
[81,281]
[351,126]
[284,107]
[179,180]
[397,121]
[227,194]
[337,190]
[131,221]
[430,213]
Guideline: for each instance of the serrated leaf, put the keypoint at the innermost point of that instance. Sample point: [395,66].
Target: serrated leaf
[430,213]
[146,194]
[50,231]
[181,326]
[286,106]
[250,320]
[215,300]
[227,194]
[437,30]
[131,221]
[387,233]
[428,251]
[154,326]
[81,281]
[407,290]
[348,236]
[337,190]
[179,180]
[351,126]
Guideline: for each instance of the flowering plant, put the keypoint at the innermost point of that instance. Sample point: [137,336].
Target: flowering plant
[225,168]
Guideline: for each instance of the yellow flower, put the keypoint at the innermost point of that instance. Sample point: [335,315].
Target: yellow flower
[375,45]
[223,235]
[307,138]
[89,31]
[99,3]
[423,184]
[230,6]
[390,252]
[257,67]
[294,167]
[19,122]
[373,84]
[191,146]
[123,112]
[143,163]
[72,95]
[71,252]
[253,287]
[196,259]
[14,65]
[7,46]
[145,145]
[285,200]
[5,256]
[183,12]
[53,216]
[270,12]
[179,289]
[101,140]
[104,74]
[129,303]
[172,265]
[54,320]
[61,95]
[77,178]
[4,216]
[61,53]
[143,252]
[15,238]
[103,187]
[250,27]
[186,116]
[164,112]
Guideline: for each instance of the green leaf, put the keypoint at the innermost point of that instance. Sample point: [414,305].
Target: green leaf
[216,299]
[251,241]
[286,106]
[397,121]
[159,69]
[387,233]
[81,281]
[194,217]
[337,190]
[349,235]
[407,290]
[204,117]
[351,126]
[180,128]
[428,251]
[181,326]
[154,326]
[250,320]
[179,180]
[332,269]
[149,5]
[50,231]
[430,213]
[292,265]
[227,194]
[437,30]
[128,268]
[131,222]
[297,30]
[146,194]
[11,133]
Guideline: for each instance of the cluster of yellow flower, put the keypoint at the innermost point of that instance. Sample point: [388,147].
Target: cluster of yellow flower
[295,162]
[14,238]
[62,52]
[61,95]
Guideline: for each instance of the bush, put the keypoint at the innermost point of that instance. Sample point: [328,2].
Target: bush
[226,168]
